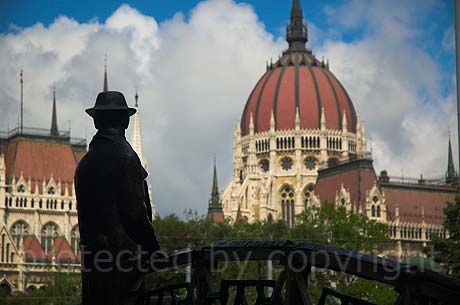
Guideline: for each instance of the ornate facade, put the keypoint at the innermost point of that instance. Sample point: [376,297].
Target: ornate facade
[38,210]
[300,143]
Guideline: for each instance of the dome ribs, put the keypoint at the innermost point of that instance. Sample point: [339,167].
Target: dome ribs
[345,102]
[256,117]
[318,95]
[308,106]
[275,100]
[297,81]
[244,118]
[327,100]
[351,107]
[286,100]
[266,102]
[339,109]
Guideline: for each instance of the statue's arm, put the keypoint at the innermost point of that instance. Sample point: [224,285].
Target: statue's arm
[133,211]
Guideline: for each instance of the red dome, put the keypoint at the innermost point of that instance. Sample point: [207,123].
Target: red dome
[298,80]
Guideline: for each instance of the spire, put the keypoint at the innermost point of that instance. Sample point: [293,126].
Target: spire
[296,31]
[215,186]
[450,175]
[136,137]
[54,127]
[106,87]
[215,212]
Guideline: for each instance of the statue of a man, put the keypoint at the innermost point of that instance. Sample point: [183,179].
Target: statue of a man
[114,211]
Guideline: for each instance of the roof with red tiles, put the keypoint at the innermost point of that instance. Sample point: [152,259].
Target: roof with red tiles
[412,199]
[32,248]
[357,177]
[40,158]
[62,250]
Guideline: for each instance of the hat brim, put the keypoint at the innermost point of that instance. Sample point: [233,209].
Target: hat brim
[92,111]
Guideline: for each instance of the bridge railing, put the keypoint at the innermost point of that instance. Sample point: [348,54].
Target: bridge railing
[415,285]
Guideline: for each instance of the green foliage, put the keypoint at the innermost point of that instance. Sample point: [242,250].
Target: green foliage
[447,251]
[326,225]
[60,289]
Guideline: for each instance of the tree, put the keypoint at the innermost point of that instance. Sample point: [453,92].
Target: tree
[447,251]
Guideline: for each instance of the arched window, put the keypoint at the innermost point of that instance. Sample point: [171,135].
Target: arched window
[378,211]
[308,194]
[74,238]
[19,230]
[70,205]
[40,204]
[270,217]
[49,232]
[373,210]
[287,205]
[62,205]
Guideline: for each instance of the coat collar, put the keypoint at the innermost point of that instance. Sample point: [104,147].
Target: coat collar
[109,134]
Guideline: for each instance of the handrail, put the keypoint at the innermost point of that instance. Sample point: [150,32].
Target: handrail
[297,260]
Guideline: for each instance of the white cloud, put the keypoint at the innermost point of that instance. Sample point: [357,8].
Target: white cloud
[194,74]
[395,85]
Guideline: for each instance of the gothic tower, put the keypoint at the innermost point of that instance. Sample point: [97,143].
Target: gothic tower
[215,212]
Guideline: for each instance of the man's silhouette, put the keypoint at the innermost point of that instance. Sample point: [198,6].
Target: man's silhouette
[114,211]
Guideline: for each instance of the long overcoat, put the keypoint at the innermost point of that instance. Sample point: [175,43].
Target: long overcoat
[115,221]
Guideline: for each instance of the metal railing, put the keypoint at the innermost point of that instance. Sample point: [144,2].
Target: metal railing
[415,285]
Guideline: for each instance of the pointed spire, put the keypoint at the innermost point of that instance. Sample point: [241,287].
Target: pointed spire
[54,127]
[323,119]
[450,174]
[344,122]
[215,186]
[297,119]
[272,121]
[251,124]
[136,137]
[215,212]
[296,31]
[106,87]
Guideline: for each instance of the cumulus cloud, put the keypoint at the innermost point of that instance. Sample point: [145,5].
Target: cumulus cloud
[395,84]
[195,71]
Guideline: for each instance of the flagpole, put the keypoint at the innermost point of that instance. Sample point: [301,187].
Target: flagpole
[457,57]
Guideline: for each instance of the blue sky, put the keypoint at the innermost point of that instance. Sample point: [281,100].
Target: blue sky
[432,23]
[195,63]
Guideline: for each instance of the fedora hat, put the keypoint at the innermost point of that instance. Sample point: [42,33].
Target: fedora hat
[110,100]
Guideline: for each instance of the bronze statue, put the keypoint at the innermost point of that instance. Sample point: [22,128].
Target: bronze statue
[114,211]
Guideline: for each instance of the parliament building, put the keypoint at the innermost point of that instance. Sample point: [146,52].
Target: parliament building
[300,143]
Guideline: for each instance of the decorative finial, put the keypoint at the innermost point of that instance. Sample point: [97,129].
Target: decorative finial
[136,98]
